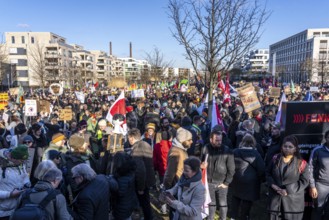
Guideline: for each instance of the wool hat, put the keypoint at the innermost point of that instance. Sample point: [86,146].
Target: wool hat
[102,122]
[57,137]
[20,152]
[28,138]
[150,126]
[20,128]
[36,127]
[76,141]
[52,154]
[183,135]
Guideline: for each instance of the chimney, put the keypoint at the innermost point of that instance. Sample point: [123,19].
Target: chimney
[110,48]
[131,50]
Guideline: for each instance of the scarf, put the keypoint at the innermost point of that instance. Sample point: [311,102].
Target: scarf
[183,181]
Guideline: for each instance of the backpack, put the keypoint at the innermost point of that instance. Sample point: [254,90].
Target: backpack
[28,210]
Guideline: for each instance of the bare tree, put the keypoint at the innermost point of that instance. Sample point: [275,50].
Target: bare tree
[38,64]
[3,59]
[158,65]
[216,33]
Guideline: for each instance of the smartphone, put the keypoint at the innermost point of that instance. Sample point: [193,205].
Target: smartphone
[168,194]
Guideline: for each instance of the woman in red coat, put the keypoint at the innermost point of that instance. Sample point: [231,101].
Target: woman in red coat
[160,153]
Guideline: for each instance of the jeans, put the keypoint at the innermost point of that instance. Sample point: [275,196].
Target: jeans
[240,208]
[218,201]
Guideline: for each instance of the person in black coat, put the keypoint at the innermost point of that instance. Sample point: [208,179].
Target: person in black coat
[125,198]
[287,177]
[92,201]
[249,171]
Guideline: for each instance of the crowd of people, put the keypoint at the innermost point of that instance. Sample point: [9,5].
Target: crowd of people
[67,171]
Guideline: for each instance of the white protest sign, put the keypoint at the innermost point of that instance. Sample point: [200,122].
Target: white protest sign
[30,107]
[110,97]
[314,89]
[138,93]
[80,96]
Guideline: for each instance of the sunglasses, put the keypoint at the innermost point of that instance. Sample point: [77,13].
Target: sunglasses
[27,142]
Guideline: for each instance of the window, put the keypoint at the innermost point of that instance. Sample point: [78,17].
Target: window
[12,39]
[23,40]
[32,40]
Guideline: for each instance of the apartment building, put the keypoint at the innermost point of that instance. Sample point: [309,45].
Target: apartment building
[255,61]
[36,57]
[298,57]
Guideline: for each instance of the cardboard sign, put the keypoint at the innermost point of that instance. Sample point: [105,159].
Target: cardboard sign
[65,114]
[43,106]
[314,89]
[158,94]
[275,92]
[249,98]
[287,90]
[14,91]
[31,107]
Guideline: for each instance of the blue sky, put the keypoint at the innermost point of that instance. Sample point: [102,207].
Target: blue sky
[93,23]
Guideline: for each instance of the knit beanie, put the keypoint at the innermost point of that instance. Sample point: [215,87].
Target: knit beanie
[52,154]
[28,138]
[102,122]
[57,137]
[183,135]
[76,142]
[20,152]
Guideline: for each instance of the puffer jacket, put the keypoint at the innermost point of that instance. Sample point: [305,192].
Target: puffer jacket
[160,154]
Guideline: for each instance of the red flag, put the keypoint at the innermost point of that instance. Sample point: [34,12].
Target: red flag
[96,85]
[227,94]
[118,107]
[205,207]
[221,84]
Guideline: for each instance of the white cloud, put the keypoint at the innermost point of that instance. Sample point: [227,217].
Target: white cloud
[23,25]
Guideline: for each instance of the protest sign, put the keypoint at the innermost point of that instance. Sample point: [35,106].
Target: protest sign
[65,114]
[138,93]
[275,92]
[30,107]
[14,91]
[80,96]
[314,89]
[249,98]
[43,106]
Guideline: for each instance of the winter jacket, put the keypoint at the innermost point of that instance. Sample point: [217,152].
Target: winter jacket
[142,151]
[160,154]
[175,165]
[56,209]
[92,201]
[124,198]
[11,177]
[319,164]
[293,180]
[221,165]
[190,201]
[249,171]
[132,120]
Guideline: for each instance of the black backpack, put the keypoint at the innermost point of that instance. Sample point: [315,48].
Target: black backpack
[28,210]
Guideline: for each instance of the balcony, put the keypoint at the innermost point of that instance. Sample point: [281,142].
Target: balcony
[52,54]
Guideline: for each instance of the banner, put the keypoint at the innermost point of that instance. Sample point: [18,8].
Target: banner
[314,89]
[138,93]
[65,114]
[30,107]
[80,96]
